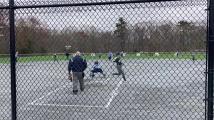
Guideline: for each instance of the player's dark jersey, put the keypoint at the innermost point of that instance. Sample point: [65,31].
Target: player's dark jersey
[117,60]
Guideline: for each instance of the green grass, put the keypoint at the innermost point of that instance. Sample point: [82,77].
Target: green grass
[4,60]
[185,56]
[146,55]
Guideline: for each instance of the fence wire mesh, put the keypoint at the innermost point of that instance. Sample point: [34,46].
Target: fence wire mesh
[145,61]
[5,98]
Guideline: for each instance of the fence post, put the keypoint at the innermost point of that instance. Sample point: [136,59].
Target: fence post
[12,59]
[210,59]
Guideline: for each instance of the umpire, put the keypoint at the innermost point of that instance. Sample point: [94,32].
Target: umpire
[77,65]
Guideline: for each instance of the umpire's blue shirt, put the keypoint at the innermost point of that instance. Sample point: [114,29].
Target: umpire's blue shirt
[77,64]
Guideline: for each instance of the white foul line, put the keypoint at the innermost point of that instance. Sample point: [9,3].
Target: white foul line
[57,105]
[32,103]
[114,94]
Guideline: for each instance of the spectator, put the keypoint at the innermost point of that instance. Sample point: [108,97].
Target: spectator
[110,55]
[55,57]
[16,56]
[77,65]
[67,55]
[193,56]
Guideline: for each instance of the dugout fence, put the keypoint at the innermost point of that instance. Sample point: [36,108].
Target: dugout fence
[165,46]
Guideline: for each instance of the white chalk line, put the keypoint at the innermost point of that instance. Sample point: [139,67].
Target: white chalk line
[98,81]
[58,105]
[32,103]
[114,94]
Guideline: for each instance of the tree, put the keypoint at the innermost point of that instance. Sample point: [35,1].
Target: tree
[140,37]
[184,30]
[121,33]
[31,36]
[167,43]
[4,31]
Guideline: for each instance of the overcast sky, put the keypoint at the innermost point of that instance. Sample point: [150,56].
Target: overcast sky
[106,16]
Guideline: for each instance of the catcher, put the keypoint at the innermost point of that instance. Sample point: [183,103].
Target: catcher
[96,69]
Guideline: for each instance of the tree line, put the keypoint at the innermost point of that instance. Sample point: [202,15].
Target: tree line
[33,36]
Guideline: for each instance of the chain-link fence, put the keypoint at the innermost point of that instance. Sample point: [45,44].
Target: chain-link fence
[5,99]
[106,59]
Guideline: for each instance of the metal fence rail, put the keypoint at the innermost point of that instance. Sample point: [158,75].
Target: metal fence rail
[146,59]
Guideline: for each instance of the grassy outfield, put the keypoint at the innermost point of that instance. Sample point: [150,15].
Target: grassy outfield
[145,55]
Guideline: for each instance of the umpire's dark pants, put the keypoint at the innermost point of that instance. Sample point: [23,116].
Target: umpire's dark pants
[78,79]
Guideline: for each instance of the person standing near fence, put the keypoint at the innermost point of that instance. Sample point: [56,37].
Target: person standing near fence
[77,65]
[16,56]
[193,56]
[110,55]
[67,55]
[119,65]
[55,57]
